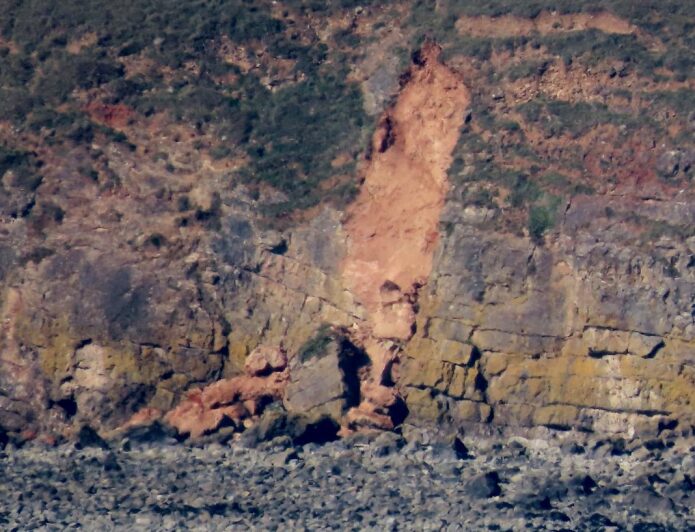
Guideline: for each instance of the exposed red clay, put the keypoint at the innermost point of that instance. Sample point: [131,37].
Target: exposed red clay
[116,116]
[236,399]
[392,226]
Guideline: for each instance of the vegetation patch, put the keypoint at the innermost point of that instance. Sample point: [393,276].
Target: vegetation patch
[24,167]
[558,117]
[290,132]
[284,100]
[316,346]
[542,216]
[297,134]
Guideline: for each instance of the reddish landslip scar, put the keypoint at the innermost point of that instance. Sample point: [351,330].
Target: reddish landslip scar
[392,226]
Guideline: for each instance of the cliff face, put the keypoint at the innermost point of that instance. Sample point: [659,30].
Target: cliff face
[587,332]
[500,263]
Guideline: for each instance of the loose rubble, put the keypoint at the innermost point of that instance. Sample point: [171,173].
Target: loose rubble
[368,481]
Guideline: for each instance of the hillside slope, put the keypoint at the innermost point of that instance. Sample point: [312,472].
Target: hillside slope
[437,212]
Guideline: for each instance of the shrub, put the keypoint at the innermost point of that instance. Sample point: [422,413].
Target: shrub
[15,104]
[540,219]
[526,69]
[23,164]
[478,47]
[15,70]
[247,22]
[557,117]
[317,344]
[682,101]
[299,131]
[480,198]
[556,180]
[524,191]
[62,72]
[594,46]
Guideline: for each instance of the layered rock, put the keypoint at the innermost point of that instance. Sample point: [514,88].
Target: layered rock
[139,299]
[591,330]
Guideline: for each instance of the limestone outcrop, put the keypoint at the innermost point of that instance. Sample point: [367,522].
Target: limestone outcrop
[452,289]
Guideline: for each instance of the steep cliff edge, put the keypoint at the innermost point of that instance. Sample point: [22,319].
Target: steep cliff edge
[498,228]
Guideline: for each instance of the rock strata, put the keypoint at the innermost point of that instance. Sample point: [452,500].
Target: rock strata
[169,297]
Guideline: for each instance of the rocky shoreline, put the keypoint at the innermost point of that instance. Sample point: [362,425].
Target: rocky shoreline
[418,480]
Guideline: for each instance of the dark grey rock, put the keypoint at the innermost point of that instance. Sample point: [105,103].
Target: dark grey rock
[88,437]
[484,486]
[152,433]
[573,448]
[462,452]
[588,485]
[111,463]
[274,422]
[324,379]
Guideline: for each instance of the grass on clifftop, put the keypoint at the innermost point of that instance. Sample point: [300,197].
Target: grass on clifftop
[561,113]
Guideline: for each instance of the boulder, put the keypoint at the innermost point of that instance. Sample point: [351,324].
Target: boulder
[88,437]
[484,486]
[324,382]
[272,424]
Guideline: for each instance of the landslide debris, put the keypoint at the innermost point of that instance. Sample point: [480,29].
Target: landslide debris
[392,226]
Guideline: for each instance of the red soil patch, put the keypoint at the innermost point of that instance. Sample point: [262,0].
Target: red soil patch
[115,116]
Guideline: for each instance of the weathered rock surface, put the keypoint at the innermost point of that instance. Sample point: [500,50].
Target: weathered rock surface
[154,298]
[588,331]
[324,380]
